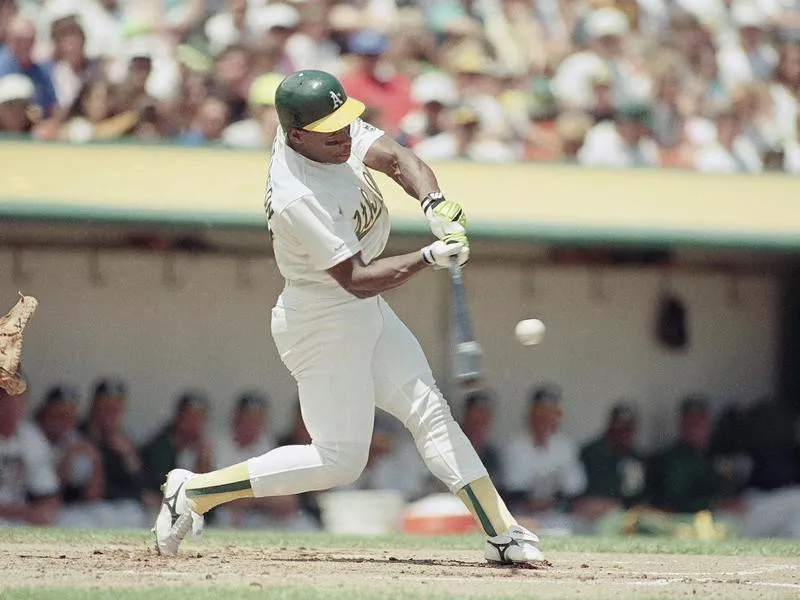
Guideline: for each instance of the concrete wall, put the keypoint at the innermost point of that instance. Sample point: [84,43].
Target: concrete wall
[211,330]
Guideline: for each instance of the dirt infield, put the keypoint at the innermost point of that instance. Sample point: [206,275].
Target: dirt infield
[455,573]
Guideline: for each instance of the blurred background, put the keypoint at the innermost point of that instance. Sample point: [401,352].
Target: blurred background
[628,168]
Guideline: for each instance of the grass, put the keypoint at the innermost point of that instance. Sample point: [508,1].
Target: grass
[216,538]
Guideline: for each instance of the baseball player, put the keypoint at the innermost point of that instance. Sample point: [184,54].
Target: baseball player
[343,344]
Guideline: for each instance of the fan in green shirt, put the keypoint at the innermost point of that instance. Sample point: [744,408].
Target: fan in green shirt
[615,471]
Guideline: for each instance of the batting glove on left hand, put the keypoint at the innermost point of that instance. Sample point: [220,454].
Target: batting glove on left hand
[440,254]
[445,217]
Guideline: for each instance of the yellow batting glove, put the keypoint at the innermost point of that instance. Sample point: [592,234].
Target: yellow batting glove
[445,217]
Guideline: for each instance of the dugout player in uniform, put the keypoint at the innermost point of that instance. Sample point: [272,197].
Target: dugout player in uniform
[346,348]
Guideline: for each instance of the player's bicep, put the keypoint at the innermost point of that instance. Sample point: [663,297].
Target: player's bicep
[383,155]
[326,238]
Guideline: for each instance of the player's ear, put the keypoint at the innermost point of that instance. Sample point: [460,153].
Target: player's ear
[295,136]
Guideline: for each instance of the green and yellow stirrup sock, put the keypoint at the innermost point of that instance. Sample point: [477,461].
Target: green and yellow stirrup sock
[207,490]
[486,505]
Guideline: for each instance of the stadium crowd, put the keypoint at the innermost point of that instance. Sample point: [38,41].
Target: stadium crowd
[711,85]
[734,474]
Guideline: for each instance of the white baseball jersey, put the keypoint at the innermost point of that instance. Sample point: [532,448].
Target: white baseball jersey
[543,471]
[26,466]
[321,214]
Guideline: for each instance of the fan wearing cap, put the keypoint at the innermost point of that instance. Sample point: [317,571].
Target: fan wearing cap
[343,344]
[375,81]
[259,129]
[607,30]
[434,92]
[181,443]
[615,471]
[749,56]
[542,472]
[623,142]
[16,109]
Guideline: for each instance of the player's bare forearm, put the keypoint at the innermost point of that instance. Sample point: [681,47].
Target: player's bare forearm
[408,170]
[365,281]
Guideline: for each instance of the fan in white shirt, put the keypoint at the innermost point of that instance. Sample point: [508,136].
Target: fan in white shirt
[28,483]
[541,464]
[730,151]
[606,29]
[623,142]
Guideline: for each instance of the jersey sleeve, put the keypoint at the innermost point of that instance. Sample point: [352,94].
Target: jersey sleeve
[363,135]
[327,238]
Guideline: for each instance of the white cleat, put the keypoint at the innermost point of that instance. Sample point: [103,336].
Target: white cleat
[176,517]
[516,545]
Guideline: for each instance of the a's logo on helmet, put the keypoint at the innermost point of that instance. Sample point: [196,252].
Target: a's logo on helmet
[337,99]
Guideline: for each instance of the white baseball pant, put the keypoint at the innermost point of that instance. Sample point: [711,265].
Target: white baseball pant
[349,356]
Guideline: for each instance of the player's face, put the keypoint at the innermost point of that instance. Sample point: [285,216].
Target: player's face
[332,148]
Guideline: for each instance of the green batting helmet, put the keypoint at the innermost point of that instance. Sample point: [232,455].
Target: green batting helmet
[315,101]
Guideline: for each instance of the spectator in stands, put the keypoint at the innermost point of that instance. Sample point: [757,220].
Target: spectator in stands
[541,468]
[747,57]
[132,91]
[16,108]
[8,10]
[231,80]
[77,461]
[476,422]
[28,482]
[313,44]
[238,23]
[281,21]
[249,436]
[72,69]
[516,36]
[684,479]
[259,129]
[753,107]
[705,87]
[122,468]
[729,151]
[785,92]
[623,142]
[463,140]
[17,57]
[791,149]
[177,19]
[615,471]
[208,125]
[606,30]
[180,444]
[434,92]
[92,115]
[375,81]
[670,112]
[572,128]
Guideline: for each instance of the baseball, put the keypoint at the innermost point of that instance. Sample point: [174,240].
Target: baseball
[529,331]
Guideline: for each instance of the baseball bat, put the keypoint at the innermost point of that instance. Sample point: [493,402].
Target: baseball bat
[467,352]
